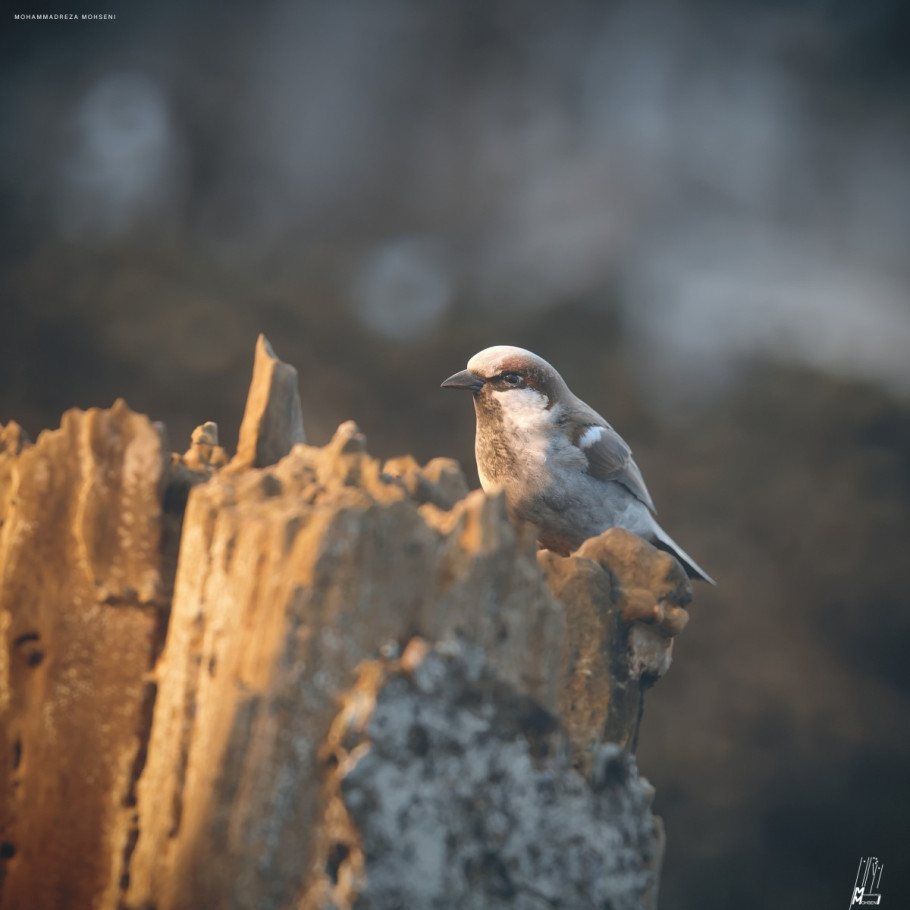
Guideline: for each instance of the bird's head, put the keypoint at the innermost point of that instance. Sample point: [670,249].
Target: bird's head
[511,377]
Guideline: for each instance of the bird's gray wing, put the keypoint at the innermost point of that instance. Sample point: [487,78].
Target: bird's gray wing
[609,456]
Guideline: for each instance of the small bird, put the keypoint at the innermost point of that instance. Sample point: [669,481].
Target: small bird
[563,468]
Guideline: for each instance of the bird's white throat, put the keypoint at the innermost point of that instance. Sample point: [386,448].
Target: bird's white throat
[527,421]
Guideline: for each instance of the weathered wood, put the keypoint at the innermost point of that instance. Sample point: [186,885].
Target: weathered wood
[273,419]
[82,607]
[288,578]
[624,603]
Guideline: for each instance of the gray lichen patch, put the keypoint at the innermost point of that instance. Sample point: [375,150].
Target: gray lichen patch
[462,794]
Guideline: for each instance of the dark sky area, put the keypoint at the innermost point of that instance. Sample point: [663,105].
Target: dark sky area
[699,212]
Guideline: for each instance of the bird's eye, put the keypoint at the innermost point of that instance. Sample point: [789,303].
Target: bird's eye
[511,378]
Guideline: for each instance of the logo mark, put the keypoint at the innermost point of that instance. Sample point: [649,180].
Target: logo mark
[868,879]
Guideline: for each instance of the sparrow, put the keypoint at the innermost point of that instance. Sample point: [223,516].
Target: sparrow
[562,467]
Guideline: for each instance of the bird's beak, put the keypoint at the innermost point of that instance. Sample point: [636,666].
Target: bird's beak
[464,380]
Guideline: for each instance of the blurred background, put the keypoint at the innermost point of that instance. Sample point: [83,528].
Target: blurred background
[698,211]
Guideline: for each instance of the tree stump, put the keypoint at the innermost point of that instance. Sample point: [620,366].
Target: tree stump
[303,678]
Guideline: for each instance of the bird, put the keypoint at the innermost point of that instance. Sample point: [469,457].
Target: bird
[562,467]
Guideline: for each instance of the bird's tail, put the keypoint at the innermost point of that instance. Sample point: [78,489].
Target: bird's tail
[665,542]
